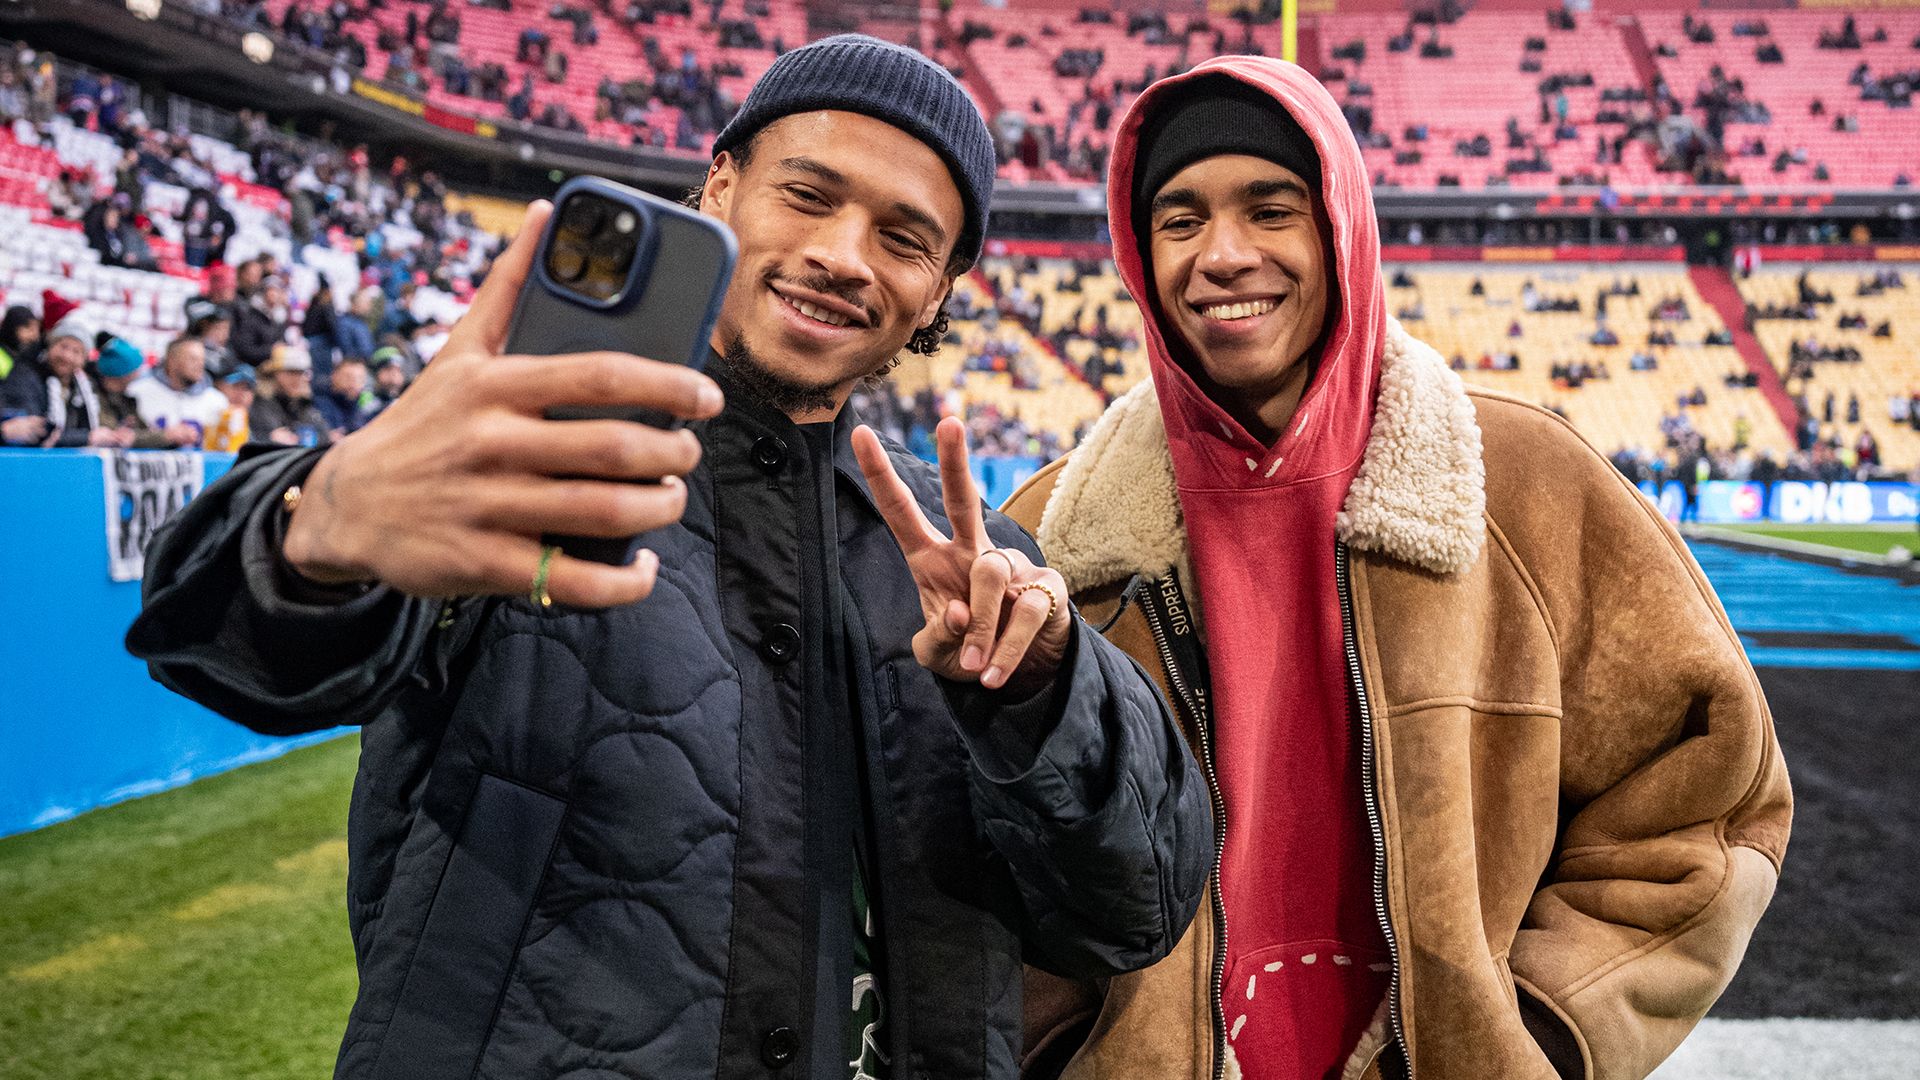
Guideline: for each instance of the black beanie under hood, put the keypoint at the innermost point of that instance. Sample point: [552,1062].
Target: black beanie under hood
[1215,114]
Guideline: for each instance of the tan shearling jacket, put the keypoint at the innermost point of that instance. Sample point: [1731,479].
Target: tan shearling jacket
[1580,806]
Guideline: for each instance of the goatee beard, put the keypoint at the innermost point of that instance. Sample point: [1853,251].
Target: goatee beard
[771,388]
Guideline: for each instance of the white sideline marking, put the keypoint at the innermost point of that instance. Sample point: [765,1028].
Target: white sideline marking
[1795,1049]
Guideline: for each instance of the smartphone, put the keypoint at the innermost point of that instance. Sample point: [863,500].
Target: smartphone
[618,269]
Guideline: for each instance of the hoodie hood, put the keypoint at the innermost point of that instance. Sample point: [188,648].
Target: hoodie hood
[1329,432]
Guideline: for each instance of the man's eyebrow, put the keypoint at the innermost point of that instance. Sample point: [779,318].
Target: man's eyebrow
[1266,189]
[816,168]
[920,217]
[1167,200]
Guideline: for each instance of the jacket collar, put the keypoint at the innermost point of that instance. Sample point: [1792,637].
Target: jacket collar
[1419,497]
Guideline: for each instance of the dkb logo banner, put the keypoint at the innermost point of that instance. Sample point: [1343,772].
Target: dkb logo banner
[144,489]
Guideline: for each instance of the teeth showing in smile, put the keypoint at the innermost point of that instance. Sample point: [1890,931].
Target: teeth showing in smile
[817,314]
[1245,310]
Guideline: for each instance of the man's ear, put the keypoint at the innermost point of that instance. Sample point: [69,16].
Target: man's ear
[722,183]
[933,308]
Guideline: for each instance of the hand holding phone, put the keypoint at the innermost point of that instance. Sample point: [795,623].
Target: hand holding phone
[448,490]
[594,286]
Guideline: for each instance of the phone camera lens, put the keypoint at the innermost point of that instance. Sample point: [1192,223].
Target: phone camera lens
[567,264]
[584,215]
[624,223]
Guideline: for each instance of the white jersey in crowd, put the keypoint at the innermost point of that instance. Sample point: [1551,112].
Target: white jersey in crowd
[162,406]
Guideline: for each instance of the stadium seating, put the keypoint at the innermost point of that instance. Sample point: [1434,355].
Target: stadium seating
[1886,141]
[489,35]
[1889,366]
[1477,89]
[1620,412]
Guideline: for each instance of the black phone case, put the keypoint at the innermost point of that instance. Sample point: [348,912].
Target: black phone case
[667,314]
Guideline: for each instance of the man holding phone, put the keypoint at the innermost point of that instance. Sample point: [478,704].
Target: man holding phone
[793,793]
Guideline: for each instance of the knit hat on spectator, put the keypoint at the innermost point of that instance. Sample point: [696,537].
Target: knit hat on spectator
[386,356]
[54,307]
[861,74]
[74,326]
[119,358]
[242,374]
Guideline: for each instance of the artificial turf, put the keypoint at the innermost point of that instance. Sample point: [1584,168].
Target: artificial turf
[199,933]
[1873,541]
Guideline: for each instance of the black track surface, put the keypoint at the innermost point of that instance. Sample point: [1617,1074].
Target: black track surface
[1842,938]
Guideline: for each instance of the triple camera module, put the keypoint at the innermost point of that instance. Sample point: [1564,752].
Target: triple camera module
[594,246]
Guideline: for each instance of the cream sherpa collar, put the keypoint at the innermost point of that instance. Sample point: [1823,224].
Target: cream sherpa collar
[1420,494]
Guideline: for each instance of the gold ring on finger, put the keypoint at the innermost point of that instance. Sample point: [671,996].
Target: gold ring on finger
[1053,601]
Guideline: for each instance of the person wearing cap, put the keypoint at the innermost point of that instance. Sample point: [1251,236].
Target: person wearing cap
[1500,793]
[260,321]
[55,389]
[285,413]
[389,373]
[796,791]
[176,396]
[211,324]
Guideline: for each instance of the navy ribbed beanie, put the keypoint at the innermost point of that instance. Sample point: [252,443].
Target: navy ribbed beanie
[861,74]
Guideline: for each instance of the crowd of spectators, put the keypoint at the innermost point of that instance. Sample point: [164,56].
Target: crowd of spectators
[427,53]
[252,351]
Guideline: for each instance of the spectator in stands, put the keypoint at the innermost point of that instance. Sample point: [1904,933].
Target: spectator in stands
[231,430]
[119,367]
[115,238]
[285,413]
[19,337]
[211,324]
[1212,495]
[319,328]
[349,401]
[205,228]
[177,395]
[56,389]
[390,377]
[260,323]
[352,335]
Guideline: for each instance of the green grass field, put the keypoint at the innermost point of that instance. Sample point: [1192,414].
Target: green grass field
[1872,539]
[198,934]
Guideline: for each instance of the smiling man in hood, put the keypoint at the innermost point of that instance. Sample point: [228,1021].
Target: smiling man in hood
[1497,791]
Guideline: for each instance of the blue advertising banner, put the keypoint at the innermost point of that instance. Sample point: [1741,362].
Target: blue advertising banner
[1794,502]
[81,724]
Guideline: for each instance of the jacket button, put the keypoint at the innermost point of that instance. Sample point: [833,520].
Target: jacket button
[778,1048]
[781,644]
[769,453]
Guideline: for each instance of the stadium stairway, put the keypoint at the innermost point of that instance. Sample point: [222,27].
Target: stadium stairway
[1716,287]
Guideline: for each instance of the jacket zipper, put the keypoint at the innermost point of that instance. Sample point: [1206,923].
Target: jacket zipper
[1370,789]
[1203,726]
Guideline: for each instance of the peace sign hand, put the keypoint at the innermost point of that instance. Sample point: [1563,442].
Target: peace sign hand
[992,616]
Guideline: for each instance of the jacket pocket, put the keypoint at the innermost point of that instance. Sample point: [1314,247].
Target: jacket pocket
[446,1008]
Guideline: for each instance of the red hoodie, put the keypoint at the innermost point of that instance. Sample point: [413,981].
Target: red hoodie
[1307,962]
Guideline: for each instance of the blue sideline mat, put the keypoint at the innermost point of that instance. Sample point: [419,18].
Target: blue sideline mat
[1793,614]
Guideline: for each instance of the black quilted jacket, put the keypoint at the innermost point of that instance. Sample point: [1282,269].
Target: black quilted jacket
[600,844]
